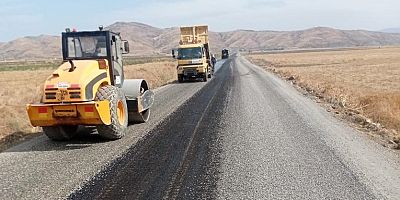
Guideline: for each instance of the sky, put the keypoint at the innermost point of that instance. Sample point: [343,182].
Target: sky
[19,18]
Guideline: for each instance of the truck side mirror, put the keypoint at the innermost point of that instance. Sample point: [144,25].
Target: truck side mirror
[125,45]
[173,53]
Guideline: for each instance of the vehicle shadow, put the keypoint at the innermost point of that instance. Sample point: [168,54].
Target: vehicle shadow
[16,138]
[86,137]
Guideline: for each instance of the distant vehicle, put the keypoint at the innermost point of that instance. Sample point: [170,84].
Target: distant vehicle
[225,54]
[194,60]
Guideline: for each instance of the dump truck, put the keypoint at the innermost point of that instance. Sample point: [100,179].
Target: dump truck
[89,89]
[193,54]
[224,54]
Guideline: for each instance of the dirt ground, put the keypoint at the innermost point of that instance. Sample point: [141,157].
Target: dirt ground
[363,85]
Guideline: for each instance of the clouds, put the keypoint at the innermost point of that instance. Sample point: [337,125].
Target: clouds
[221,15]
[20,18]
[226,15]
[176,12]
[262,3]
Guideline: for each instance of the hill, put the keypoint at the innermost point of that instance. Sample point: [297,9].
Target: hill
[38,47]
[391,30]
[149,40]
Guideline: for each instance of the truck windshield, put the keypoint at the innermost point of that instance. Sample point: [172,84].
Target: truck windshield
[86,47]
[189,53]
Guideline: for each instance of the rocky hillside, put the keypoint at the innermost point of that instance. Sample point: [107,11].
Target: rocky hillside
[38,47]
[148,40]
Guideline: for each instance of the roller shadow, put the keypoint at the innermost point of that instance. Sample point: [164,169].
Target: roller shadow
[86,137]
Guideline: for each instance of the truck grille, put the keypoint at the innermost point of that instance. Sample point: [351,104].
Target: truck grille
[52,95]
[75,95]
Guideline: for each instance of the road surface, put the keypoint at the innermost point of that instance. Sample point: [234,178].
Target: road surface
[245,134]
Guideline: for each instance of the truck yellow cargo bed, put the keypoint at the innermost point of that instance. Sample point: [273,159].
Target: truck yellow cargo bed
[194,34]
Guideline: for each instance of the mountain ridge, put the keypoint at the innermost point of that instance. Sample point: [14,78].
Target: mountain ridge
[149,40]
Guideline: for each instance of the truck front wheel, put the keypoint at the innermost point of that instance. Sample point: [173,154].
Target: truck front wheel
[205,77]
[180,78]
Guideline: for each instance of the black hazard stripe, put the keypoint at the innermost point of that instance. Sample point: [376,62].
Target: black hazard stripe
[89,87]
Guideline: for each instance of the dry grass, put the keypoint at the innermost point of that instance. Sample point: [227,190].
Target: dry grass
[366,81]
[18,89]
[22,87]
[156,73]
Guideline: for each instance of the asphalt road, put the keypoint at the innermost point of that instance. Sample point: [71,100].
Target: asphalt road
[245,134]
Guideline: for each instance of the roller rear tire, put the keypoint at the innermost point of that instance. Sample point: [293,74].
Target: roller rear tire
[119,113]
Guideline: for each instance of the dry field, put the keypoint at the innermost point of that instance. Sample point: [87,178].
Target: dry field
[156,73]
[363,84]
[23,87]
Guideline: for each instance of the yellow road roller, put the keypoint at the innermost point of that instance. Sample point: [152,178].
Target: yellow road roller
[89,89]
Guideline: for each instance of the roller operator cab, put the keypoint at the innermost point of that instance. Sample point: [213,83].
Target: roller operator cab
[89,88]
[193,54]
